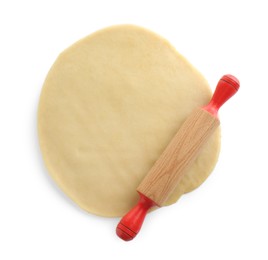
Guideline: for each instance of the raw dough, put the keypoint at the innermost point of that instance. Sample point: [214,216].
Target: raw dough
[109,106]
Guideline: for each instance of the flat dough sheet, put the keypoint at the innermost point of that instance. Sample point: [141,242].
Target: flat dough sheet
[109,106]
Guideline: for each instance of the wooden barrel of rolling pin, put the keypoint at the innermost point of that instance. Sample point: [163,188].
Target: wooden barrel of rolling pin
[179,155]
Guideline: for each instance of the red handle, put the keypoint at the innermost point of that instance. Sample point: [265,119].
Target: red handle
[131,223]
[226,88]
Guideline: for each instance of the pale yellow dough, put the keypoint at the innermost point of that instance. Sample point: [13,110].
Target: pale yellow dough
[109,106]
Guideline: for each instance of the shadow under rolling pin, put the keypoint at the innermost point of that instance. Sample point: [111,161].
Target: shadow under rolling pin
[179,155]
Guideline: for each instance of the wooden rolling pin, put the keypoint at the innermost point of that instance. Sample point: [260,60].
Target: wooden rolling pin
[179,155]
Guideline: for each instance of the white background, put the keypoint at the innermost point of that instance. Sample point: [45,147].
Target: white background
[226,218]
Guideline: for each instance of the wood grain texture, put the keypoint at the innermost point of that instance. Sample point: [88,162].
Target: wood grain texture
[181,152]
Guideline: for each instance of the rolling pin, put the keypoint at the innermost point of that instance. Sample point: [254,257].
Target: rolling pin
[176,159]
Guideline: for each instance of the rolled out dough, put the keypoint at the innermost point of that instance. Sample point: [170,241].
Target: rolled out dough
[109,106]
